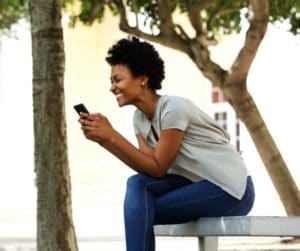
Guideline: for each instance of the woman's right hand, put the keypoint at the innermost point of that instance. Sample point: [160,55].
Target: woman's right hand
[96,127]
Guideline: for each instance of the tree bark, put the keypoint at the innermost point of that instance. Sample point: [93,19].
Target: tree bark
[270,155]
[55,230]
[234,86]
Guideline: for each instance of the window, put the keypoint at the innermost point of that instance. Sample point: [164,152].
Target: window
[229,122]
[217,95]
[221,118]
[225,116]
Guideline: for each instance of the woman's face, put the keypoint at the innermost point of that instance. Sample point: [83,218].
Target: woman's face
[124,86]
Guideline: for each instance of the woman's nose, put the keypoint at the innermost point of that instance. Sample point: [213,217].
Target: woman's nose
[112,87]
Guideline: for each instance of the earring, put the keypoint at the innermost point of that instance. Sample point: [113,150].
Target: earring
[143,83]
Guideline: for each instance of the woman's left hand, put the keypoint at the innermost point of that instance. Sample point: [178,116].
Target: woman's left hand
[96,127]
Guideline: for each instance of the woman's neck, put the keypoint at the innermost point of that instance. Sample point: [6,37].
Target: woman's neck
[148,104]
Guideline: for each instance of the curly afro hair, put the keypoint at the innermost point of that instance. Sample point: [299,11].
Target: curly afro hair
[140,57]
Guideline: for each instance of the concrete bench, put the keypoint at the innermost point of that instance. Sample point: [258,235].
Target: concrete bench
[207,230]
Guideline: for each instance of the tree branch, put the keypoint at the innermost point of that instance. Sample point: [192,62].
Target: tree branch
[181,32]
[218,14]
[135,10]
[201,57]
[195,49]
[165,17]
[171,40]
[123,16]
[194,9]
[254,36]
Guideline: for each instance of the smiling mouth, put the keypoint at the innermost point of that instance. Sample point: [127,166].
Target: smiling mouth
[119,95]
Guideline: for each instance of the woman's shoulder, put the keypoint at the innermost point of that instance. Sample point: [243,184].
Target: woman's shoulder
[175,102]
[173,98]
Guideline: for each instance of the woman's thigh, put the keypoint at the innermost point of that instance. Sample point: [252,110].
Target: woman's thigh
[201,199]
[157,187]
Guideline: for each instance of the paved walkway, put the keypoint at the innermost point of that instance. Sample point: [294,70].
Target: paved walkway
[110,243]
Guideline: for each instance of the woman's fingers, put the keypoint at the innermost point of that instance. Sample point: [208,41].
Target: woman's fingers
[95,126]
[90,123]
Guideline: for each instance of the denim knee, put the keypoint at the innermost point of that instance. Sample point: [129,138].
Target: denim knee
[135,181]
[135,185]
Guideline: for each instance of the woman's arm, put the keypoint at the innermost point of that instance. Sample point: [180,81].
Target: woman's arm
[153,162]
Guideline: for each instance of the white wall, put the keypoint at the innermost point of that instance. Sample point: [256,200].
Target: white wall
[17,191]
[274,84]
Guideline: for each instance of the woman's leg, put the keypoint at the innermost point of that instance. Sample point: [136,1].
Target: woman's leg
[174,199]
[139,208]
[201,199]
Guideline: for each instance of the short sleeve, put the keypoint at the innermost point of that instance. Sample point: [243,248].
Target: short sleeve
[175,115]
[136,123]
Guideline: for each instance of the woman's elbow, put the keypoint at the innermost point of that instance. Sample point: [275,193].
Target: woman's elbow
[159,171]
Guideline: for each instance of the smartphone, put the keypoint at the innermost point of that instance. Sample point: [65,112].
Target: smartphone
[80,108]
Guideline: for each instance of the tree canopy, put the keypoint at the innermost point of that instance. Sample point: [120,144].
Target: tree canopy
[209,17]
[11,11]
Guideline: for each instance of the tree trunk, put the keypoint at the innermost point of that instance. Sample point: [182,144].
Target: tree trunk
[55,230]
[285,186]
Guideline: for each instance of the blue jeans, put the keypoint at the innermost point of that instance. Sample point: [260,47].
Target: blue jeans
[174,199]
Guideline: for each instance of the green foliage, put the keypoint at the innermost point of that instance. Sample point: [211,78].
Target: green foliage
[89,7]
[286,11]
[149,9]
[92,10]
[11,11]
[224,16]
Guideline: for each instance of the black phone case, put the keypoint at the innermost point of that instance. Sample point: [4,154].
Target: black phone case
[80,108]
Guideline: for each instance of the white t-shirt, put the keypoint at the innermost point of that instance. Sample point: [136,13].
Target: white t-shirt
[205,151]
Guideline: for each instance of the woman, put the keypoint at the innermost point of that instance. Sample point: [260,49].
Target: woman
[185,166]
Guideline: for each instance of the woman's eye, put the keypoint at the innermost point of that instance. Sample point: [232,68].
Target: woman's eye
[116,79]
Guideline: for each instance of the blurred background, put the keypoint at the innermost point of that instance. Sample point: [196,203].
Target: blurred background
[98,179]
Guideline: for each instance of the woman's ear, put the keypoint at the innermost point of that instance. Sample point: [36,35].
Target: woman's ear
[144,80]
